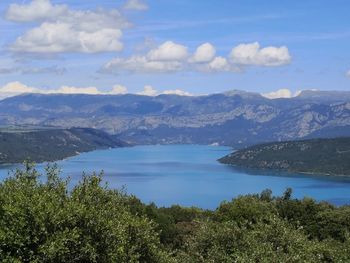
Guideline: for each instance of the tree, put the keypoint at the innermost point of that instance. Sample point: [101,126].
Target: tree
[44,222]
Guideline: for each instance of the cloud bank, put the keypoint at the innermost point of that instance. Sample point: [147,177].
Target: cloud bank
[16,88]
[173,57]
[60,29]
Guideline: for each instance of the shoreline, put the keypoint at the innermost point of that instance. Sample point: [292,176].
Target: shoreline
[60,159]
[286,171]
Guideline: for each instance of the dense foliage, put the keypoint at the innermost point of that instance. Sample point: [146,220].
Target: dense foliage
[41,220]
[319,156]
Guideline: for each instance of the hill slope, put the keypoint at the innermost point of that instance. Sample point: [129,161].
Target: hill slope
[323,156]
[52,144]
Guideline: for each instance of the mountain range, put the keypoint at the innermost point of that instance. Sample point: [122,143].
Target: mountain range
[235,118]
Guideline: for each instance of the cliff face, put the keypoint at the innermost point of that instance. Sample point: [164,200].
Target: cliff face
[322,156]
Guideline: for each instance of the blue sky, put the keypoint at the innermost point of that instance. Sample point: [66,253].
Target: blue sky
[291,45]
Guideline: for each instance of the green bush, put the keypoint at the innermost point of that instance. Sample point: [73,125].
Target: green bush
[230,242]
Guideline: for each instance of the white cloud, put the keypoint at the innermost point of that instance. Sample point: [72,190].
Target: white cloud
[219,64]
[172,57]
[65,30]
[252,54]
[281,93]
[348,74]
[148,90]
[73,90]
[15,88]
[177,92]
[204,53]
[59,37]
[135,5]
[118,89]
[168,57]
[168,51]
[36,10]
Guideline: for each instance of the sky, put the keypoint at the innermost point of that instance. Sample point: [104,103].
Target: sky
[179,47]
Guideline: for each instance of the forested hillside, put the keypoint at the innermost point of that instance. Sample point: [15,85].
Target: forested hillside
[319,156]
[51,144]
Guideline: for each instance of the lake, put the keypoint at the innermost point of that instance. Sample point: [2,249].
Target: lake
[189,175]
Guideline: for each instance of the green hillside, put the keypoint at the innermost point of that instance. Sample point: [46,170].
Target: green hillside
[51,144]
[319,156]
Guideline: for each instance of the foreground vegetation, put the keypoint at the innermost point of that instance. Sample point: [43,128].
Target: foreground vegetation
[316,156]
[42,221]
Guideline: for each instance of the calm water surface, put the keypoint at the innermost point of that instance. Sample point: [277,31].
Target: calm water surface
[189,175]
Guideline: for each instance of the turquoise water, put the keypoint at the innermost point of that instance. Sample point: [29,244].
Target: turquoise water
[189,175]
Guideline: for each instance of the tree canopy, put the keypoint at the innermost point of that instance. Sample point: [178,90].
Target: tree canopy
[42,220]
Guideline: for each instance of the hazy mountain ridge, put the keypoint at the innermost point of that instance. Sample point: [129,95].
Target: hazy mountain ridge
[230,118]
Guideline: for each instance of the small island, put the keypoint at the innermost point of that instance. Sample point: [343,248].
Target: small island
[315,156]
